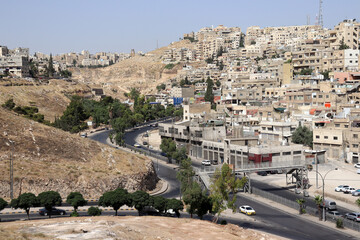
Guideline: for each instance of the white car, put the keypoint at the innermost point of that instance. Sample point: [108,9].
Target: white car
[137,145]
[358,171]
[206,163]
[247,210]
[349,190]
[357,165]
[340,188]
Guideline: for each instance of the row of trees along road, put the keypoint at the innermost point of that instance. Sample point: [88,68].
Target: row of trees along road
[115,199]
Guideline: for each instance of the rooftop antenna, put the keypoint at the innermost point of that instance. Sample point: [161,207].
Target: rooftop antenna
[157,44]
[308,20]
[320,17]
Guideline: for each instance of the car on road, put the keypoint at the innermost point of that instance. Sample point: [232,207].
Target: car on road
[54,211]
[358,171]
[356,192]
[262,173]
[340,188]
[334,214]
[206,163]
[247,210]
[353,216]
[137,145]
[357,165]
[349,190]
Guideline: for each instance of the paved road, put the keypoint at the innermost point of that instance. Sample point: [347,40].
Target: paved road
[276,222]
[284,192]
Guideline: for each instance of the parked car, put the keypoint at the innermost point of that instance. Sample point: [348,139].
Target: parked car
[330,204]
[54,211]
[262,173]
[206,163]
[357,165]
[358,171]
[349,190]
[340,188]
[356,192]
[334,214]
[353,216]
[137,145]
[247,210]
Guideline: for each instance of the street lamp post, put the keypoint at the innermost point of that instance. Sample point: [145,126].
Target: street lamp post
[323,190]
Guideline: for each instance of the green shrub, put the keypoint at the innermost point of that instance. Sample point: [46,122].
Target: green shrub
[74,214]
[223,222]
[169,66]
[94,211]
[9,104]
[339,223]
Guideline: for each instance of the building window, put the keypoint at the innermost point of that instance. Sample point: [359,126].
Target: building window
[355,145]
[317,136]
[286,153]
[276,154]
[355,136]
[346,126]
[297,152]
[337,125]
[335,138]
[326,137]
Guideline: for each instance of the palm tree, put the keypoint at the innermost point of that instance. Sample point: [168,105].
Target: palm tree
[318,201]
[301,205]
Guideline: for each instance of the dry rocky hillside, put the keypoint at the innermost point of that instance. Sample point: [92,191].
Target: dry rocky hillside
[47,158]
[51,99]
[130,228]
[141,72]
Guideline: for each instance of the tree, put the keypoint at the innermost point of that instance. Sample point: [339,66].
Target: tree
[196,201]
[9,104]
[326,74]
[161,87]
[306,71]
[176,205]
[179,154]
[252,42]
[3,205]
[303,135]
[25,201]
[50,70]
[223,184]
[74,62]
[115,199]
[343,45]
[185,174]
[94,211]
[140,200]
[160,203]
[218,83]
[301,202]
[357,202]
[49,199]
[168,146]
[209,96]
[319,201]
[76,200]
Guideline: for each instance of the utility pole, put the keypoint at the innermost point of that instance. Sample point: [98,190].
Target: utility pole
[320,17]
[11,170]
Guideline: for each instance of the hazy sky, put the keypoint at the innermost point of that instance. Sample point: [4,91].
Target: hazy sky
[118,26]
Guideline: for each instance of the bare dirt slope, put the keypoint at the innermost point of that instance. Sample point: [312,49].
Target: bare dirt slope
[47,158]
[130,228]
[142,72]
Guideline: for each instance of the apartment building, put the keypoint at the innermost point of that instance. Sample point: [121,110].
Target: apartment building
[347,32]
[17,66]
[276,131]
